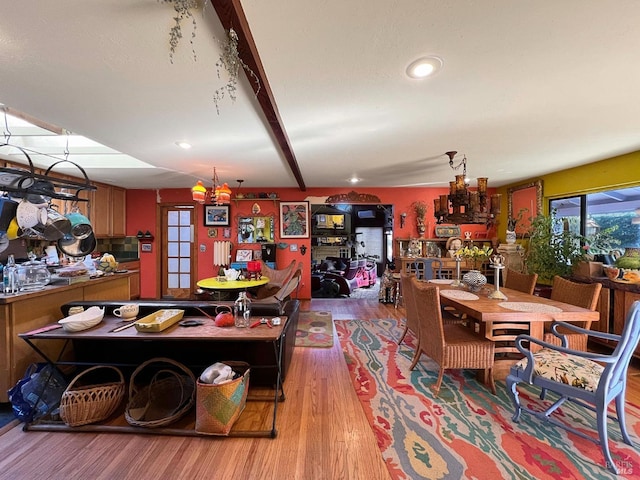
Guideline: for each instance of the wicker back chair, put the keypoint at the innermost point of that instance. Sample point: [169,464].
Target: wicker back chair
[411,321]
[522,282]
[583,295]
[449,345]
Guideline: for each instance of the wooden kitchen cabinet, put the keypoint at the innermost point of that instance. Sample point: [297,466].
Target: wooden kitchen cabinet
[108,211]
[28,311]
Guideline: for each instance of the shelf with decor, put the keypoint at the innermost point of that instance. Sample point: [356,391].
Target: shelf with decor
[257,199]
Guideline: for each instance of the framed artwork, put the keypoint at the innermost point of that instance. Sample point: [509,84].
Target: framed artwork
[244,255]
[226,233]
[246,230]
[146,247]
[294,219]
[264,229]
[216,215]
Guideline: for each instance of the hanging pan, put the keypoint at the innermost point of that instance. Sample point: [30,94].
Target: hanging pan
[77,247]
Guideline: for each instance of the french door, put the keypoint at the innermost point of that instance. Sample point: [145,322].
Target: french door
[178,266]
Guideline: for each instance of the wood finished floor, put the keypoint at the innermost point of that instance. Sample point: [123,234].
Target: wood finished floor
[322,431]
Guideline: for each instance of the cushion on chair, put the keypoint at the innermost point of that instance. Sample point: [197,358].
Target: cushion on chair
[562,367]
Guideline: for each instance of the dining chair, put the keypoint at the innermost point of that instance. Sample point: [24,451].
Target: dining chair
[449,345]
[423,268]
[411,314]
[523,282]
[589,380]
[583,295]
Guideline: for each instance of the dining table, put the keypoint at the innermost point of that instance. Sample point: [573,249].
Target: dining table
[496,319]
[225,288]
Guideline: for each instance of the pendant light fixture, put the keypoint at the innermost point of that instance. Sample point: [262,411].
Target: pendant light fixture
[220,194]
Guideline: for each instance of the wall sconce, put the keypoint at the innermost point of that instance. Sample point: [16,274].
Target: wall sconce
[403,217]
[303,249]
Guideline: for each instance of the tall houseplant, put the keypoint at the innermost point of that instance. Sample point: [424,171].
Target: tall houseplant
[553,249]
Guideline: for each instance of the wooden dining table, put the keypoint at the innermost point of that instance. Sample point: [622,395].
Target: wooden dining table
[489,315]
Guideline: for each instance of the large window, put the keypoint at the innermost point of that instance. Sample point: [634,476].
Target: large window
[614,211]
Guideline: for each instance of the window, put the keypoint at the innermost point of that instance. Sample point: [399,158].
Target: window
[612,211]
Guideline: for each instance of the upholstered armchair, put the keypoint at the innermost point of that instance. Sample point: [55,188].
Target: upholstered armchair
[589,380]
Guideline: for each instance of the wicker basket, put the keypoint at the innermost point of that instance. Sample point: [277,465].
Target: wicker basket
[81,405]
[219,406]
[167,397]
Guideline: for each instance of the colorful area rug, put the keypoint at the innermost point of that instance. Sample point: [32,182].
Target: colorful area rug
[466,432]
[315,329]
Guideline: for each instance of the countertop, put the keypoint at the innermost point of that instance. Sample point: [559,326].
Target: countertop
[49,289]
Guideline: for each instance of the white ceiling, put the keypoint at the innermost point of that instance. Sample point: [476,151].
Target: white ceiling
[527,88]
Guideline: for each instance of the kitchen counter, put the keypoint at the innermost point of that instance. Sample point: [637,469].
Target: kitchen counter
[28,311]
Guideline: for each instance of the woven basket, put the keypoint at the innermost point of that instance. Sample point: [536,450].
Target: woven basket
[81,405]
[167,397]
[219,406]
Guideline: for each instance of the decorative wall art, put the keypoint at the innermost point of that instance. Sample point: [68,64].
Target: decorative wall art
[294,219]
[226,233]
[216,215]
[264,229]
[244,255]
[246,230]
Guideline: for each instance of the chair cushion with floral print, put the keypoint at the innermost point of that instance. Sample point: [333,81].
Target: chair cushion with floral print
[565,368]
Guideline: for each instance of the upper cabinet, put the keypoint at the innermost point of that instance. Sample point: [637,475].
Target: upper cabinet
[107,211]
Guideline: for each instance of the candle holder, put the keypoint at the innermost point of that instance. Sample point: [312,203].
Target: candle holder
[457,282]
[497,262]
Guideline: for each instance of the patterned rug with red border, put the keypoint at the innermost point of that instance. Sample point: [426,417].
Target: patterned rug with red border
[466,432]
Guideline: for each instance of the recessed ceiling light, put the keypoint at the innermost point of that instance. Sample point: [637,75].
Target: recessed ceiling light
[184,145]
[424,67]
[354,179]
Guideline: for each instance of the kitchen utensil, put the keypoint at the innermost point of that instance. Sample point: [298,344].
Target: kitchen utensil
[56,226]
[127,312]
[30,214]
[13,230]
[80,225]
[8,209]
[82,321]
[75,247]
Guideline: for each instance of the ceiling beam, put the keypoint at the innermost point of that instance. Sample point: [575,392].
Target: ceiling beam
[232,16]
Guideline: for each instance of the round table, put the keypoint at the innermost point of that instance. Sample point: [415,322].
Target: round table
[230,286]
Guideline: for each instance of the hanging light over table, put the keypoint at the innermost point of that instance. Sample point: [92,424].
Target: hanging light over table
[220,194]
[463,205]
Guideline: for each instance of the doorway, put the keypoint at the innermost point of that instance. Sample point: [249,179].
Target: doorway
[178,267]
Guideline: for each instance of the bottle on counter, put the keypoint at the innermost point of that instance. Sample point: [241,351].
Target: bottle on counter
[10,278]
[242,310]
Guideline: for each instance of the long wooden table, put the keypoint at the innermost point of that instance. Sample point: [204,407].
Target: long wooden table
[110,334]
[534,311]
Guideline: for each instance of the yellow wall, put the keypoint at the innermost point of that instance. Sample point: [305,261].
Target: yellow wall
[617,172]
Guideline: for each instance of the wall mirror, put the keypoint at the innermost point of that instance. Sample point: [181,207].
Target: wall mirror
[526,198]
[259,229]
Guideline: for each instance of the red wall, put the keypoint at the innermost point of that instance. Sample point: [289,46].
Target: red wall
[142,215]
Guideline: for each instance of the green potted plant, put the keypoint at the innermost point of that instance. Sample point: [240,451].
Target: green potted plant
[553,248]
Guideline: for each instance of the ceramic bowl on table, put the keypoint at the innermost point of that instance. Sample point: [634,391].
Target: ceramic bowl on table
[91,317]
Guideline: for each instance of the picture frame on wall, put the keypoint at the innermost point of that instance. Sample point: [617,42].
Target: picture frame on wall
[243,255]
[294,219]
[216,216]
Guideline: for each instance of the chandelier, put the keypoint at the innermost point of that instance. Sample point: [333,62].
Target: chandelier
[218,195]
[463,205]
